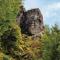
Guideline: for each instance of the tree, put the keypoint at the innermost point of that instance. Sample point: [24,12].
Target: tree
[9,9]
[10,34]
[51,44]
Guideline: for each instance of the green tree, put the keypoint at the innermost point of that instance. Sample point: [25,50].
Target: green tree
[10,34]
[51,44]
[9,9]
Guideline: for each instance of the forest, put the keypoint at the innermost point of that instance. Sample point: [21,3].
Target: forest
[15,46]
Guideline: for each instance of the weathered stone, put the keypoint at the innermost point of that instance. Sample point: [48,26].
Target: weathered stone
[31,22]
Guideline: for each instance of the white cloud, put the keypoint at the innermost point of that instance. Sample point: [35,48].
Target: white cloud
[51,10]
[29,4]
[54,6]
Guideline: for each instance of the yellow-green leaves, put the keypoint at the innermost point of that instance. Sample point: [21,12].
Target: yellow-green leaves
[9,9]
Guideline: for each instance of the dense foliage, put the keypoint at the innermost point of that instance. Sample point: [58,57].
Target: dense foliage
[51,44]
[16,46]
[9,9]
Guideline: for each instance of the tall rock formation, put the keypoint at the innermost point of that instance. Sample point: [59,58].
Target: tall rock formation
[30,22]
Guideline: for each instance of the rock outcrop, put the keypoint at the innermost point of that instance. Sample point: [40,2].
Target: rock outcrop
[30,22]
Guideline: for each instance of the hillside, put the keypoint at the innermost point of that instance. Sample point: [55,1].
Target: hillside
[16,45]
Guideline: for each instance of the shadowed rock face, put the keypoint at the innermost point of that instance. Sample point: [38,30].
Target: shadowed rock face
[31,22]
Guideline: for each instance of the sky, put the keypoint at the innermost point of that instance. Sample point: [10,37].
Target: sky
[50,10]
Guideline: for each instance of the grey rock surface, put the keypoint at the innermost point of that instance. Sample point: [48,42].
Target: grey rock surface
[30,22]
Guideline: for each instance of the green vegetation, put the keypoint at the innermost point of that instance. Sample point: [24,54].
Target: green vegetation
[9,9]
[51,43]
[15,46]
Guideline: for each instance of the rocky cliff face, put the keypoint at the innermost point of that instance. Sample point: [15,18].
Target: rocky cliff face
[30,22]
